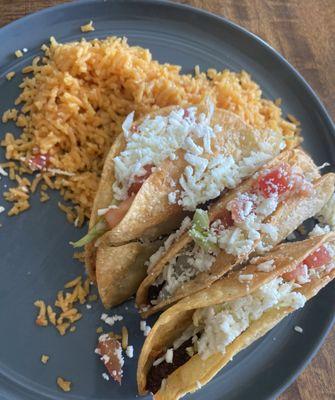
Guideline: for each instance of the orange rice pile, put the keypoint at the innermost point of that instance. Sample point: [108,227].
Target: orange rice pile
[76,98]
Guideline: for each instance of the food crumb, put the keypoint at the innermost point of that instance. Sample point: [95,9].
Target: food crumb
[93,297]
[298,329]
[130,351]
[88,27]
[111,320]
[2,209]
[63,384]
[44,358]
[10,75]
[245,278]
[105,376]
[25,50]
[124,338]
[73,328]
[99,329]
[88,306]
[62,328]
[18,53]
[41,319]
[145,328]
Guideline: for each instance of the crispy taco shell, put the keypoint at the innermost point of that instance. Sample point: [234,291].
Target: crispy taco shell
[120,270]
[298,208]
[151,215]
[173,322]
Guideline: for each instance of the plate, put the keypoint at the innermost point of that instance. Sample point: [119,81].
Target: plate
[36,259]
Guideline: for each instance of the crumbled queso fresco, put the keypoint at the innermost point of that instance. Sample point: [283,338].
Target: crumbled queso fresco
[185,133]
[222,324]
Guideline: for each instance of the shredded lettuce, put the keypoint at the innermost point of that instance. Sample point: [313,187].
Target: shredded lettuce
[98,230]
[200,231]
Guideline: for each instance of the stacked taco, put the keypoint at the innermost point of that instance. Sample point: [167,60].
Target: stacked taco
[194,339]
[159,170]
[250,219]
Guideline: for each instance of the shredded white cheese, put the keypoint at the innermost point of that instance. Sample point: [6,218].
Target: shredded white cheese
[145,328]
[105,376]
[188,134]
[241,239]
[298,329]
[130,351]
[245,278]
[182,268]
[111,320]
[266,266]
[222,324]
[118,353]
[3,172]
[319,230]
[169,356]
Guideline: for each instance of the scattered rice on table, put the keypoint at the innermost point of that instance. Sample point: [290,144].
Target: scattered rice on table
[63,384]
[44,358]
[88,27]
[76,291]
[18,53]
[77,96]
[10,75]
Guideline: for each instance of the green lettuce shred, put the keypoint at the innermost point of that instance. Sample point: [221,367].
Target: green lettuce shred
[199,231]
[98,230]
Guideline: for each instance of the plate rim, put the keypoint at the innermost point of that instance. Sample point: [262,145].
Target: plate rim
[313,97]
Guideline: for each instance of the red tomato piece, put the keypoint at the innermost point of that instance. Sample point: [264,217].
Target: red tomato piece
[277,181]
[110,352]
[186,114]
[318,258]
[115,215]
[294,275]
[136,186]
[39,161]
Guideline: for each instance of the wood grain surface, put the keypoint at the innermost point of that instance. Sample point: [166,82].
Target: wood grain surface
[304,32]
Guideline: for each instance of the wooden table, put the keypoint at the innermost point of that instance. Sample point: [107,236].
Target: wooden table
[303,31]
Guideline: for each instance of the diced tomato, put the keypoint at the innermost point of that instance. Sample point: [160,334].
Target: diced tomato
[39,161]
[241,207]
[115,215]
[136,186]
[301,270]
[225,218]
[110,352]
[277,181]
[318,258]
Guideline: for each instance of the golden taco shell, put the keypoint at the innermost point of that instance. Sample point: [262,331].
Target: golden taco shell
[120,270]
[150,214]
[298,208]
[170,325]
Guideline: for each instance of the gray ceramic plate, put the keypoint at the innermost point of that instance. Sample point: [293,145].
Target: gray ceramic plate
[36,259]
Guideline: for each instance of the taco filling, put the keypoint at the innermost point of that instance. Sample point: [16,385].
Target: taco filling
[196,142]
[214,328]
[237,230]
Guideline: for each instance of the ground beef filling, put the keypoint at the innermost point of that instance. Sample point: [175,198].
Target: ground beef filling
[154,291]
[164,369]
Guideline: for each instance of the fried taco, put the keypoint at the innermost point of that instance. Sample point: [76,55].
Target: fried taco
[254,217]
[194,339]
[164,165]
